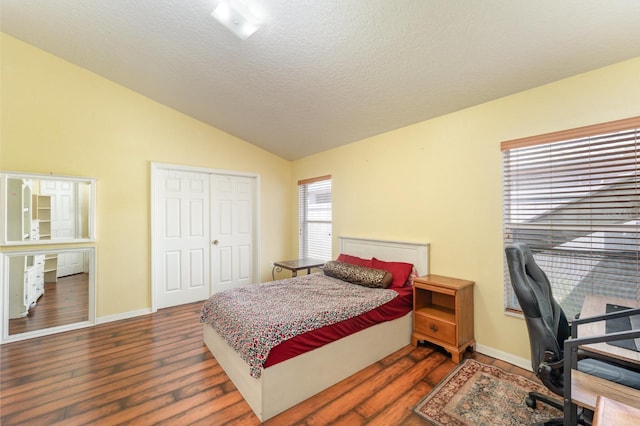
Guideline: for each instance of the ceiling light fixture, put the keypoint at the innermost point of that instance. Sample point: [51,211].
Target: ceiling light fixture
[236,16]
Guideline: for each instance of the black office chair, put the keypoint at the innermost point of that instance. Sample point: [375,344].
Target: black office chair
[548,329]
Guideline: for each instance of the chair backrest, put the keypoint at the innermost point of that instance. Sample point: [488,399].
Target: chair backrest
[546,322]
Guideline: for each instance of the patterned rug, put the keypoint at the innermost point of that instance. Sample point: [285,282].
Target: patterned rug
[479,394]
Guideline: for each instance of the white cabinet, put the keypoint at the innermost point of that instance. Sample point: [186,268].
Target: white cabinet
[34,233]
[38,271]
[19,209]
[26,283]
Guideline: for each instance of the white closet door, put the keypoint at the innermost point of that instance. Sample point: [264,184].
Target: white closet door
[232,231]
[181,237]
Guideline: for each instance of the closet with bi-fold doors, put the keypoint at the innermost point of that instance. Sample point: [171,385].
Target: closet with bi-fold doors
[204,232]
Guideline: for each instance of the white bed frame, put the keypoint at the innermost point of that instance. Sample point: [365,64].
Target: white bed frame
[285,384]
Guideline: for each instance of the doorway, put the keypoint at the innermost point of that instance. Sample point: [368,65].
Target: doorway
[204,232]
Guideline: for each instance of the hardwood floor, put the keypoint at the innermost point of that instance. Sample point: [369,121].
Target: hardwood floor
[64,302]
[156,370]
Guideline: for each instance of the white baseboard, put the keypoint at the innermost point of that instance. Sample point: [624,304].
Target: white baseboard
[124,315]
[504,356]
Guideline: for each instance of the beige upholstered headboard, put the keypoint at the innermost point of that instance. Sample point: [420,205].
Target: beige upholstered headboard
[390,251]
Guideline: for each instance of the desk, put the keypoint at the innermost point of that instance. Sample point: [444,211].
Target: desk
[596,305]
[585,389]
[611,412]
[296,265]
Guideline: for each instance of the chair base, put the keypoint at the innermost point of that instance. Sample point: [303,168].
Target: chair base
[533,397]
[585,417]
[553,422]
[559,421]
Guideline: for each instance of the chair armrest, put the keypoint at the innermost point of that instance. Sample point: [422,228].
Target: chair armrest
[550,373]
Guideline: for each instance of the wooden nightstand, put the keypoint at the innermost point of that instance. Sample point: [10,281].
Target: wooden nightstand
[443,313]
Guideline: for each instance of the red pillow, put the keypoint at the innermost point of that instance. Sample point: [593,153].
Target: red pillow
[353,260]
[400,270]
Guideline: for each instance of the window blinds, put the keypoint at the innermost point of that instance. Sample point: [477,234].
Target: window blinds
[314,216]
[576,203]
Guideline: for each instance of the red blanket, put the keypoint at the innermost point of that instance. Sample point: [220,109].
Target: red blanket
[306,342]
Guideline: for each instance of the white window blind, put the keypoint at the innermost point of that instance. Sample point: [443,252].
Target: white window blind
[314,204]
[574,198]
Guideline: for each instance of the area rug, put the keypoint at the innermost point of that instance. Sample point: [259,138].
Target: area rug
[480,394]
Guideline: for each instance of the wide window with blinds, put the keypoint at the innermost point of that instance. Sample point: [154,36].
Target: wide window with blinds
[574,198]
[314,216]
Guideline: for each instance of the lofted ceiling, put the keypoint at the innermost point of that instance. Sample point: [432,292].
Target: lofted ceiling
[323,73]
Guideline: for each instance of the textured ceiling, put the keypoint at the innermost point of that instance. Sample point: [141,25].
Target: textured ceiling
[324,73]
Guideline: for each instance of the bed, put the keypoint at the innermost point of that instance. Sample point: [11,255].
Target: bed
[286,383]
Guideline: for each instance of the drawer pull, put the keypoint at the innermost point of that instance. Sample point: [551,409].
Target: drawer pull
[433,327]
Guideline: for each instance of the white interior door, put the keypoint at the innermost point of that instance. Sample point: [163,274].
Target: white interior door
[181,237]
[63,207]
[232,231]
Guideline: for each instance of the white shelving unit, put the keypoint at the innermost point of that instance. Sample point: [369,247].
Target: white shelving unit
[41,211]
[51,268]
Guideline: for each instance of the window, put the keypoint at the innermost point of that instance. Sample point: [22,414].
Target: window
[314,216]
[574,198]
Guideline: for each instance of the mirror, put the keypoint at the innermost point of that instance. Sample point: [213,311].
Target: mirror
[47,292]
[46,209]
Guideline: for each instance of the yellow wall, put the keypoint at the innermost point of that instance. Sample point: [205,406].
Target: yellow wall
[59,118]
[439,181]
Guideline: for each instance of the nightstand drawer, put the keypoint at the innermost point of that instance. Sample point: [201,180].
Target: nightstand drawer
[435,328]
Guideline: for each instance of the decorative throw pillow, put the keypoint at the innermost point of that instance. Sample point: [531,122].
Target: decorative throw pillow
[399,270]
[354,260]
[366,277]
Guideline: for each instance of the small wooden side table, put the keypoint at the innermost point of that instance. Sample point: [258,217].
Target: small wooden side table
[443,313]
[296,265]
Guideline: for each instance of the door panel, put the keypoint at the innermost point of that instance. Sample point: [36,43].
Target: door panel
[182,237]
[173,274]
[232,226]
[225,274]
[244,264]
[196,263]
